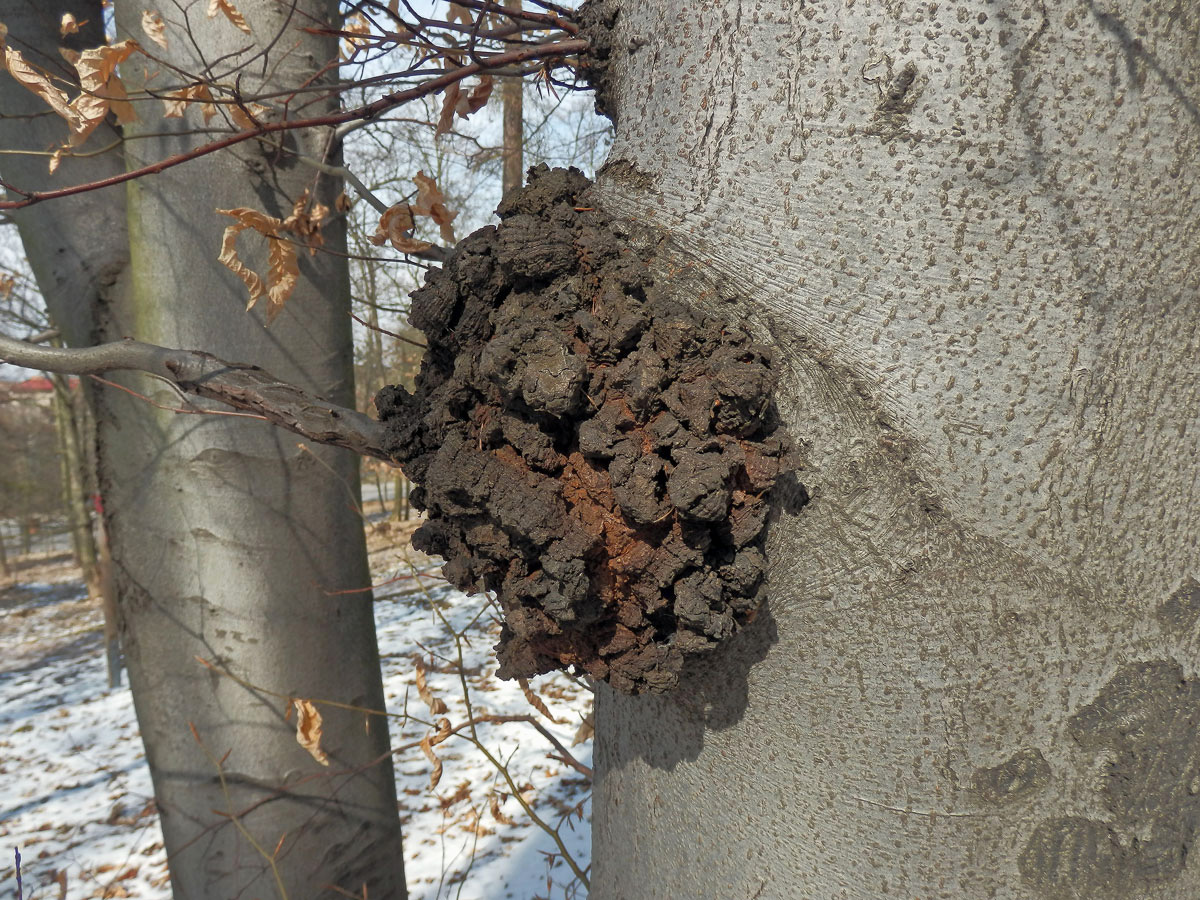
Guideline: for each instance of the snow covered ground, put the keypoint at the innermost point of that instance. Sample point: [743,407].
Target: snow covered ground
[75,794]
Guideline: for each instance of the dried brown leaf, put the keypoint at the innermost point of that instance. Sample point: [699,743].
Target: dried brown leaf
[154,27]
[97,66]
[264,225]
[436,705]
[118,101]
[283,274]
[309,728]
[435,774]
[252,218]
[477,98]
[459,13]
[427,194]
[449,105]
[431,202]
[410,245]
[226,8]
[38,81]
[247,115]
[305,221]
[535,701]
[428,743]
[356,25]
[229,259]
[102,89]
[461,793]
[395,226]
[444,226]
[397,218]
[90,111]
[494,805]
[587,728]
[176,102]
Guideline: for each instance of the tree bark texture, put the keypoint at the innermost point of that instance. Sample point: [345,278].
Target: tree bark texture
[970,232]
[229,538]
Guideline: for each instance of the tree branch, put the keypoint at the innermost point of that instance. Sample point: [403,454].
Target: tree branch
[368,111]
[241,386]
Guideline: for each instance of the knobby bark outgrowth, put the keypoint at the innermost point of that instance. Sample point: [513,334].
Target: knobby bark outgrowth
[229,540]
[972,233]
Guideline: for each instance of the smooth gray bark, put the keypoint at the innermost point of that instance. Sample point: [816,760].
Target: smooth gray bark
[971,233]
[229,538]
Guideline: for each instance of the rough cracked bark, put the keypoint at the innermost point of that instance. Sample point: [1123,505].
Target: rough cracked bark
[969,231]
[227,535]
[599,456]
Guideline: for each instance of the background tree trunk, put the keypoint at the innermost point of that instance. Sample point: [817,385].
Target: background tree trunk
[5,571]
[513,140]
[228,537]
[971,233]
[68,421]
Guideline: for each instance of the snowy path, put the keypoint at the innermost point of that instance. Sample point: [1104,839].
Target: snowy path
[75,792]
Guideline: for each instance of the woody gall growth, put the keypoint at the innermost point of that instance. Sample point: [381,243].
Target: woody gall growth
[601,457]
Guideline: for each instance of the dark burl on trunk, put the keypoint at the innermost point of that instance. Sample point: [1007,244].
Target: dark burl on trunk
[596,454]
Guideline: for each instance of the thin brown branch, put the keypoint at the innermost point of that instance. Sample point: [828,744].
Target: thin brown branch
[370,110]
[393,334]
[545,20]
[241,386]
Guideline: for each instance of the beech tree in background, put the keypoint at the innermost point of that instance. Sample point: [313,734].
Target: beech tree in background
[230,540]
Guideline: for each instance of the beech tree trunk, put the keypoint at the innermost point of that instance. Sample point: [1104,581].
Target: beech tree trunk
[230,540]
[970,232]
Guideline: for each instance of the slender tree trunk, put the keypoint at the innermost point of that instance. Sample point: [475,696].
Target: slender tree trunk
[101,587]
[62,424]
[228,538]
[513,173]
[74,477]
[76,427]
[971,233]
[5,571]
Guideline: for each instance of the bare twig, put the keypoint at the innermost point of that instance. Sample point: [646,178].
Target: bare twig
[473,736]
[42,336]
[393,334]
[551,50]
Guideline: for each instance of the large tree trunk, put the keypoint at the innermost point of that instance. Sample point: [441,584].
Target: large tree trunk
[971,233]
[229,539]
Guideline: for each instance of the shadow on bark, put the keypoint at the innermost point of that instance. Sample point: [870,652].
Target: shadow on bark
[712,695]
